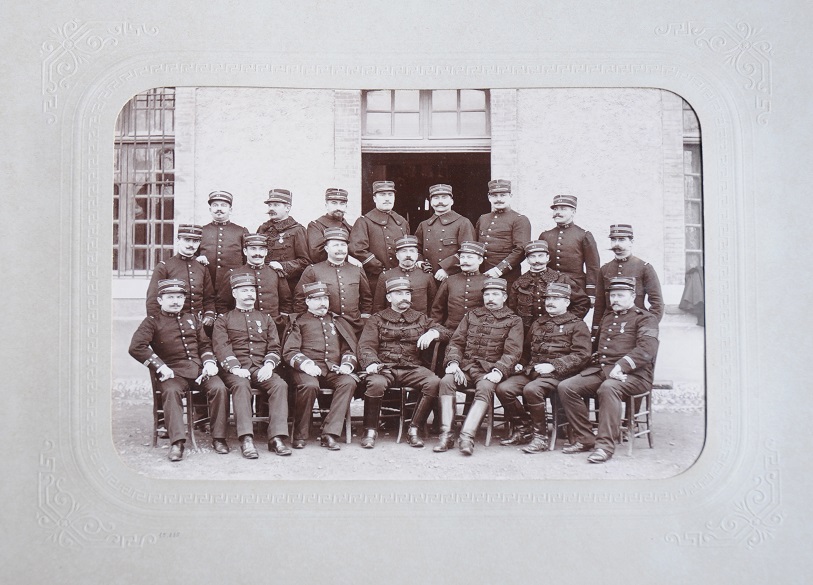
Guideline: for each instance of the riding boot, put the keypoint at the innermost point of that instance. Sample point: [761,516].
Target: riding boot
[470,426]
[422,410]
[446,437]
[372,411]
[515,412]
[539,443]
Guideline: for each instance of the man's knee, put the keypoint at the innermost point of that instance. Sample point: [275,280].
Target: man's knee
[375,386]
[447,385]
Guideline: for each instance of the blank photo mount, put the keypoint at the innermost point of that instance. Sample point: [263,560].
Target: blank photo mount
[88,515]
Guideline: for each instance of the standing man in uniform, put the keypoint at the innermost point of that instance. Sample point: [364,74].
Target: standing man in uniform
[557,346]
[373,237]
[483,351]
[573,249]
[173,344]
[527,296]
[273,295]
[287,238]
[423,285]
[389,351]
[336,206]
[623,366]
[320,347]
[221,247]
[247,346]
[347,286]
[440,236]
[463,291]
[648,286]
[504,233]
[200,300]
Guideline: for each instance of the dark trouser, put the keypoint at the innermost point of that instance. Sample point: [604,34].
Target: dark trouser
[172,393]
[483,389]
[413,376]
[533,392]
[306,387]
[277,391]
[609,393]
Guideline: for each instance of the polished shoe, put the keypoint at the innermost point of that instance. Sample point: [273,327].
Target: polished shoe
[176,451]
[368,440]
[298,443]
[576,448]
[247,447]
[220,446]
[520,436]
[599,456]
[330,442]
[537,445]
[466,445]
[413,438]
[445,442]
[276,445]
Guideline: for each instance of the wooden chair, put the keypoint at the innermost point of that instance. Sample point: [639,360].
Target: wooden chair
[192,410]
[636,421]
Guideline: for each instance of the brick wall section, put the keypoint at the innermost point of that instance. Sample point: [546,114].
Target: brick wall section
[347,150]
[185,200]
[504,138]
[674,231]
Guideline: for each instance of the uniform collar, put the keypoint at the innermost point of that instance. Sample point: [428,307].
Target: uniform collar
[447,218]
[627,259]
[564,227]
[185,258]
[473,273]
[282,224]
[334,265]
[410,315]
[227,222]
[175,315]
[565,317]
[382,217]
[256,266]
[499,313]
[246,310]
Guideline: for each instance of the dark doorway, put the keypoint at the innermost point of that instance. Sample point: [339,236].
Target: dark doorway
[414,173]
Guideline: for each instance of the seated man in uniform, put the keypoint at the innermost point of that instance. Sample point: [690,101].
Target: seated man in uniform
[247,346]
[320,347]
[556,347]
[483,351]
[175,346]
[389,351]
[623,366]
[423,285]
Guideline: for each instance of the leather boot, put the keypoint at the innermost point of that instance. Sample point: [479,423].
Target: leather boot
[539,443]
[470,426]
[446,437]
[422,410]
[515,412]
[372,412]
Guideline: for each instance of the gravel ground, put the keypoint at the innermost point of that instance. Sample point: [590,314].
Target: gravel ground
[678,438]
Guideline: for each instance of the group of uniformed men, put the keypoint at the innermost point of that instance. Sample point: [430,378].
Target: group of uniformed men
[233,310]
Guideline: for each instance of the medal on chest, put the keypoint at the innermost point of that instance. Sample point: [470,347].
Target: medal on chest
[624,324]
[259,326]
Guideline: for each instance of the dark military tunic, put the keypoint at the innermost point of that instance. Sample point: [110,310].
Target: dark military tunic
[504,234]
[573,251]
[487,340]
[423,288]
[439,238]
[347,288]
[288,245]
[222,244]
[390,338]
[273,295]
[562,341]
[527,296]
[372,241]
[457,295]
[646,285]
[316,236]
[200,300]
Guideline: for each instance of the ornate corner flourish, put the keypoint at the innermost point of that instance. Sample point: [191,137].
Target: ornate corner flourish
[752,520]
[70,523]
[74,44]
[742,47]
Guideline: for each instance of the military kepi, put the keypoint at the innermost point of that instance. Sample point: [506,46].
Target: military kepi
[472,248]
[380,186]
[499,186]
[171,285]
[567,200]
[244,279]
[221,196]
[622,283]
[536,246]
[495,283]
[621,230]
[558,289]
[406,242]
[188,230]
[440,189]
[399,283]
[279,196]
[335,194]
[337,233]
[255,240]
[315,289]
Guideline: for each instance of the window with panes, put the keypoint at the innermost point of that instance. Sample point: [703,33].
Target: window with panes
[693,187]
[143,182]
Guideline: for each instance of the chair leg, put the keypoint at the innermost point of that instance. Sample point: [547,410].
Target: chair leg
[348,431]
[190,418]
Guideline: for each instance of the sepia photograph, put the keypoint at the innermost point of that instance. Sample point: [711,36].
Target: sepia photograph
[466,214]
